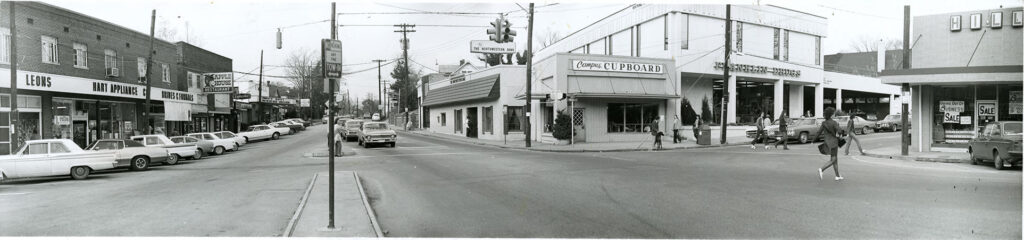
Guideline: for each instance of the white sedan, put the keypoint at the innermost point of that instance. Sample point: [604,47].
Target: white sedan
[53,157]
[219,145]
[239,140]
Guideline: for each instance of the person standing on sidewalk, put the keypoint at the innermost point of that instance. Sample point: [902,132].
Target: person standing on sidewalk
[759,134]
[830,131]
[656,133]
[676,125]
[696,128]
[850,136]
[783,137]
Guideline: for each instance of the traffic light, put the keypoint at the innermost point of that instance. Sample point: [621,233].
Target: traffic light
[508,34]
[496,32]
[278,38]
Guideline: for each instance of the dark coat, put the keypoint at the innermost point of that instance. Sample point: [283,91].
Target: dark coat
[828,130]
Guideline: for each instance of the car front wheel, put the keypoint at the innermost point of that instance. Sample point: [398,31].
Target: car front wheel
[803,137]
[199,154]
[80,172]
[974,159]
[140,163]
[999,160]
[218,150]
[172,159]
[275,136]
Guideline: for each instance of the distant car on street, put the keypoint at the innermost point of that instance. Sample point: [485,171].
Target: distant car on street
[295,127]
[351,130]
[131,154]
[203,146]
[804,130]
[999,142]
[219,145]
[261,132]
[175,151]
[376,133]
[53,157]
[860,125]
[300,121]
[892,123]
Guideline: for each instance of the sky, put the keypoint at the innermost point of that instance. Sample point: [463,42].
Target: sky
[240,29]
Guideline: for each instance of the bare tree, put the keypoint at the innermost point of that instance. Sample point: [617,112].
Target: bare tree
[171,33]
[303,70]
[869,44]
[548,38]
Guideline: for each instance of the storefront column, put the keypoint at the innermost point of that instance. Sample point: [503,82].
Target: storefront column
[839,99]
[819,100]
[796,100]
[895,106]
[778,99]
[731,114]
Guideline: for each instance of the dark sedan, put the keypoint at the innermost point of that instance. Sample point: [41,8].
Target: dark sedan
[999,142]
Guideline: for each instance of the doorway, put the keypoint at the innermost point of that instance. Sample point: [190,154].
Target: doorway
[578,126]
[471,126]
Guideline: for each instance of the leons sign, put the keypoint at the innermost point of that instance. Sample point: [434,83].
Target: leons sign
[584,65]
[67,84]
[747,68]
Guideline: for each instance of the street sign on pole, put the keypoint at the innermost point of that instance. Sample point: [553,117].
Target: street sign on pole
[332,58]
[485,46]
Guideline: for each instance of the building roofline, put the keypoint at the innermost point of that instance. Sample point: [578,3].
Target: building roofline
[95,19]
[589,25]
[790,9]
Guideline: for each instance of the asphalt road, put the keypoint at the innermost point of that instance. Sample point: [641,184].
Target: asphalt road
[427,187]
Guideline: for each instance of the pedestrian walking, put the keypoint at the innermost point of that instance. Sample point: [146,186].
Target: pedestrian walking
[830,131]
[851,137]
[783,131]
[759,134]
[676,126]
[696,128]
[657,135]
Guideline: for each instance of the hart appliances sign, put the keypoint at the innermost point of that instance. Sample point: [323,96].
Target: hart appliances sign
[67,84]
[626,67]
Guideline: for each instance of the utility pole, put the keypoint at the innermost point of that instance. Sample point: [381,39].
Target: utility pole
[905,87]
[14,79]
[330,133]
[380,89]
[259,96]
[149,75]
[529,75]
[405,50]
[725,71]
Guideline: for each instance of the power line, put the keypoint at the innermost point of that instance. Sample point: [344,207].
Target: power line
[424,66]
[418,25]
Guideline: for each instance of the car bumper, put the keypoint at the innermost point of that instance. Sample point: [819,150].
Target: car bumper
[379,140]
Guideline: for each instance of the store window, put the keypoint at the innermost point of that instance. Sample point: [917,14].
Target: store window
[49,50]
[81,56]
[631,117]
[514,122]
[27,126]
[489,120]
[1010,102]
[458,120]
[62,110]
[954,120]
[443,120]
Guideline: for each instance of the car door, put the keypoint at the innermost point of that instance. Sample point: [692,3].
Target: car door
[33,161]
[985,143]
[60,159]
[995,140]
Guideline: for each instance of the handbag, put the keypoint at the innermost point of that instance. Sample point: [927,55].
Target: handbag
[823,149]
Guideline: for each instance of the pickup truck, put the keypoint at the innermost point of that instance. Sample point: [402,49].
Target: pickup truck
[53,157]
[175,151]
[260,132]
[219,145]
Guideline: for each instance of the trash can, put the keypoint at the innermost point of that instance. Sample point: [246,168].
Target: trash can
[705,136]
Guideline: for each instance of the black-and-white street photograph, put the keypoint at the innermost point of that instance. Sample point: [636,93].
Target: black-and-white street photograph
[651,119]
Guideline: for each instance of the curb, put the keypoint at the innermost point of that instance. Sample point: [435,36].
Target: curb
[577,150]
[366,204]
[919,159]
[298,211]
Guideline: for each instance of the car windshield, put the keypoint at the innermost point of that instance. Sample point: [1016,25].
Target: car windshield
[253,128]
[892,117]
[375,126]
[1012,129]
[805,121]
[177,139]
[352,123]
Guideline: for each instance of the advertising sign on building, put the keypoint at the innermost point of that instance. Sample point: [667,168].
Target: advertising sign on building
[488,46]
[62,120]
[218,82]
[950,117]
[304,102]
[987,109]
[951,106]
[627,67]
[1016,106]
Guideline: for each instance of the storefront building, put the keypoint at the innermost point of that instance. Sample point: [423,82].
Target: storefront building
[82,78]
[480,104]
[213,110]
[966,71]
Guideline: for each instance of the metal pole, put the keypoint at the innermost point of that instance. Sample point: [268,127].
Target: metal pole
[380,88]
[259,95]
[330,131]
[14,80]
[725,72]
[529,75]
[905,87]
[149,75]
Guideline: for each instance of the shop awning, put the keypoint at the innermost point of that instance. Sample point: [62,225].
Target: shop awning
[175,111]
[485,88]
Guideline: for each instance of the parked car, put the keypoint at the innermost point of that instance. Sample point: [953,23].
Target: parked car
[376,132]
[203,146]
[131,154]
[261,132]
[351,129]
[804,130]
[219,145]
[892,123]
[295,127]
[53,157]
[860,125]
[300,121]
[999,142]
[239,140]
[175,151]
[375,117]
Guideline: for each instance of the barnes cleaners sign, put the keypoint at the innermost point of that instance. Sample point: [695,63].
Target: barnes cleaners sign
[584,65]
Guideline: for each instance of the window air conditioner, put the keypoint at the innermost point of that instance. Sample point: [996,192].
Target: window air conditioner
[112,72]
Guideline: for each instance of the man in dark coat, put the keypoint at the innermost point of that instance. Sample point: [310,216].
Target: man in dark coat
[782,132]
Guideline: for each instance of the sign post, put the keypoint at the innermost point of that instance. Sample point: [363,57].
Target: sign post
[331,60]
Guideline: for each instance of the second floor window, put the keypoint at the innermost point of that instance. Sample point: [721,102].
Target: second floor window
[142,69]
[81,56]
[166,72]
[110,62]
[5,45]
[49,50]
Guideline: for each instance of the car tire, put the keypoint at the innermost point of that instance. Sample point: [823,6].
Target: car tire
[864,131]
[392,145]
[998,160]
[80,172]
[804,138]
[974,159]
[172,159]
[236,147]
[275,136]
[246,139]
[139,163]
[199,154]
[218,150]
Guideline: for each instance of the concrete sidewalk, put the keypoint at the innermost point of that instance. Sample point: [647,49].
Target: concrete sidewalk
[944,157]
[591,147]
[352,214]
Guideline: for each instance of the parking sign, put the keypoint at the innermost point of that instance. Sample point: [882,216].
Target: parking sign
[331,58]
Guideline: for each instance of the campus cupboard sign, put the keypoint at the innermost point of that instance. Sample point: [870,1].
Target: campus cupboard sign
[627,67]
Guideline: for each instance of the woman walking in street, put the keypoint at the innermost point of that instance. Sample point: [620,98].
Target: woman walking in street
[830,130]
[850,136]
[759,133]
[782,132]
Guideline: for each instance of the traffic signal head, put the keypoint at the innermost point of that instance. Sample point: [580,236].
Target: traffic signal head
[278,38]
[507,33]
[495,33]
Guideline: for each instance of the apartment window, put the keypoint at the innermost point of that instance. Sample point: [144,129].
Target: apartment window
[739,37]
[458,120]
[49,50]
[622,43]
[5,45]
[166,73]
[785,46]
[514,122]
[631,117]
[81,56]
[776,39]
[192,78]
[817,50]
[489,120]
[443,120]
[142,69]
[685,36]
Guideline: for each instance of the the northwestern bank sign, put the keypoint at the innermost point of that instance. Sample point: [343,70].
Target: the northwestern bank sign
[627,67]
[67,84]
[747,68]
